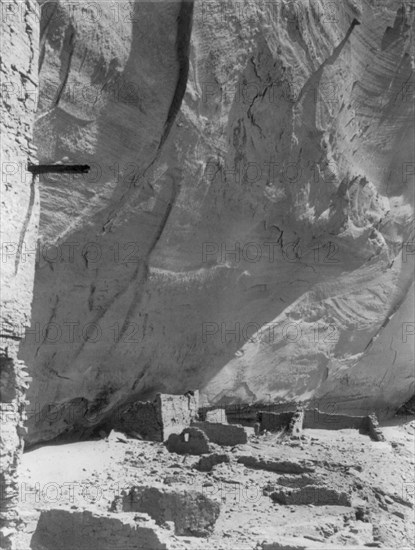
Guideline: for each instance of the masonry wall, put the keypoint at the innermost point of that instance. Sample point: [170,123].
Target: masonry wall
[156,420]
[176,412]
[313,418]
[19,24]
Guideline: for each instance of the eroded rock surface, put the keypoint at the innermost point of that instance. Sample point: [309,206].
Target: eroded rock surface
[245,228]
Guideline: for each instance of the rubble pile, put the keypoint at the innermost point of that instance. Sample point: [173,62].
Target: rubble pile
[251,491]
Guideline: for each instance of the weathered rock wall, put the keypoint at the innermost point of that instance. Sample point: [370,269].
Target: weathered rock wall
[280,131]
[19,223]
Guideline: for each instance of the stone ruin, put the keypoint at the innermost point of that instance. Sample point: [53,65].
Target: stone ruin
[146,515]
[193,513]
[156,420]
[68,529]
[295,421]
[175,420]
[288,417]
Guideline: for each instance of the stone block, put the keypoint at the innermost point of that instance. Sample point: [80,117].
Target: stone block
[223,434]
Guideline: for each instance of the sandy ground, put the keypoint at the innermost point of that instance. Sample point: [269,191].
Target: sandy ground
[379,476]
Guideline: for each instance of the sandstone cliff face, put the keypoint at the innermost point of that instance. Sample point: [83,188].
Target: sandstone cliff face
[19,223]
[279,131]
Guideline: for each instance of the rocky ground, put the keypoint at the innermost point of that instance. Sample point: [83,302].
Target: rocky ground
[347,489]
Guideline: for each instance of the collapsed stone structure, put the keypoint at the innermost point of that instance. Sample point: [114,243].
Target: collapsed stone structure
[192,512]
[67,529]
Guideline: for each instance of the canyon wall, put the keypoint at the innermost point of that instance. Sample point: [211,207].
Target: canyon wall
[19,223]
[246,228]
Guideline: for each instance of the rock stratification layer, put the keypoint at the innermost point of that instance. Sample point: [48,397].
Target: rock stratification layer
[246,225]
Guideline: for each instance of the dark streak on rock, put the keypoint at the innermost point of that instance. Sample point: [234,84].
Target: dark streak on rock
[25,224]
